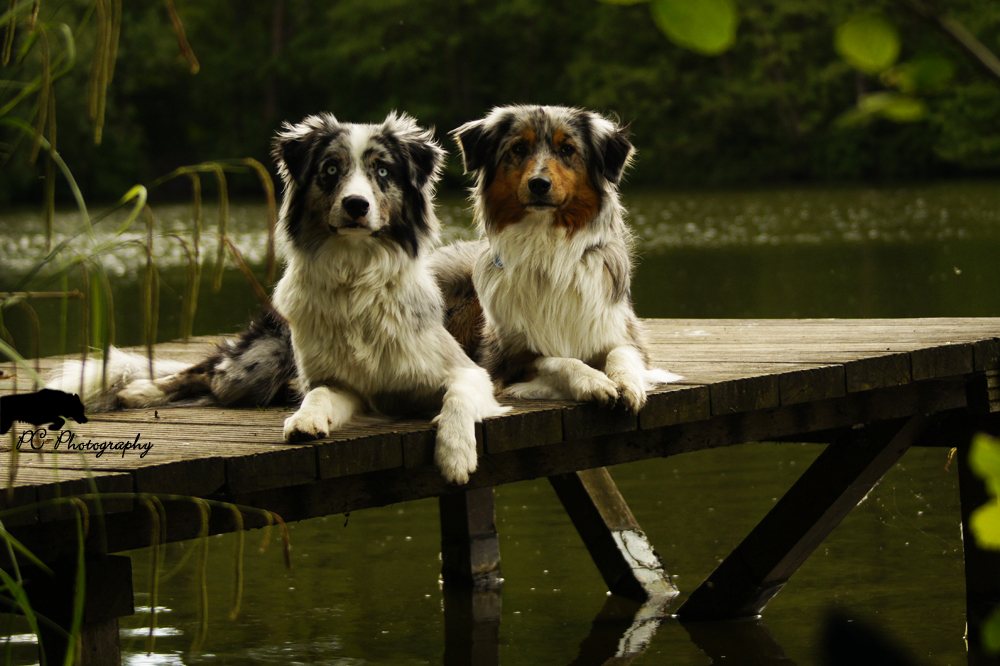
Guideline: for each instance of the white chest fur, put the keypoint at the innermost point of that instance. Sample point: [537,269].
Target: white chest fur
[362,324]
[550,291]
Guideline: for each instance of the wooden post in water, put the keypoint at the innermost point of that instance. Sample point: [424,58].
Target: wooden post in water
[623,555]
[470,551]
[833,485]
[108,596]
[470,568]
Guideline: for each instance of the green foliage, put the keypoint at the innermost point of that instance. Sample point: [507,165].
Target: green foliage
[984,460]
[707,27]
[869,42]
[763,110]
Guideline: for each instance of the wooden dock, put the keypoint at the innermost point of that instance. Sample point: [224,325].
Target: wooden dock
[869,388]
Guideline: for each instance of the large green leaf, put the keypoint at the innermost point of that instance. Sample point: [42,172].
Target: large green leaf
[984,460]
[868,41]
[985,525]
[890,105]
[991,632]
[703,26]
[925,73]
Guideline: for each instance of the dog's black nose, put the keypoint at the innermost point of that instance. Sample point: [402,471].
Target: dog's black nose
[539,185]
[356,206]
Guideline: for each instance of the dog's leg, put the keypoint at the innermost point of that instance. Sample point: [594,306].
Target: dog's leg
[195,380]
[323,410]
[566,378]
[627,369]
[467,400]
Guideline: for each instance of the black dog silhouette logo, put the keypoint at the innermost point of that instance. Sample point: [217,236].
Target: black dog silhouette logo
[45,406]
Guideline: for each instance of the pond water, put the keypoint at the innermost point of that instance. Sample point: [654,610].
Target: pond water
[364,589]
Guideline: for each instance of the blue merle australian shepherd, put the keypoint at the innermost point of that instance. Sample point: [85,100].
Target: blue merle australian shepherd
[358,321]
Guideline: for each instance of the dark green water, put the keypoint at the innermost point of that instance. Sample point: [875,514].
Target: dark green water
[368,591]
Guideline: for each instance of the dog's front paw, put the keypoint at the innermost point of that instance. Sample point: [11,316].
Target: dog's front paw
[141,393]
[632,396]
[455,452]
[593,386]
[306,425]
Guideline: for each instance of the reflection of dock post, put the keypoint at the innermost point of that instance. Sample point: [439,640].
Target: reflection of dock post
[470,569]
[626,560]
[108,585]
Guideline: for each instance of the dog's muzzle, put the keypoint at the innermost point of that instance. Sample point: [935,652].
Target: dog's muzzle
[355,218]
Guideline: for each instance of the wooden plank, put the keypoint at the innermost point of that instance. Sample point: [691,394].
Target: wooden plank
[832,486]
[671,404]
[617,545]
[470,550]
[356,492]
[528,424]
[272,469]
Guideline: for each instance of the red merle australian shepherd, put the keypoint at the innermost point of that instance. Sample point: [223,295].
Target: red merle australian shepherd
[552,273]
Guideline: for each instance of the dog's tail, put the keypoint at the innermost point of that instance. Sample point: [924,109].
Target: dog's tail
[255,368]
[98,383]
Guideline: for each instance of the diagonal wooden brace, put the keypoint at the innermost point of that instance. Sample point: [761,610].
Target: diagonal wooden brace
[623,555]
[833,485]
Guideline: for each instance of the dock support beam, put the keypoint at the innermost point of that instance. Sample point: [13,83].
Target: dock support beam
[470,551]
[108,596]
[832,486]
[470,568]
[619,548]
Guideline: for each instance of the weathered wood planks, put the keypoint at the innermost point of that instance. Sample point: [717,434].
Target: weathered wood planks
[745,380]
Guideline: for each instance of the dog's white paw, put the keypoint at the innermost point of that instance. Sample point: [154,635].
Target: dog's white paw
[590,385]
[141,393]
[455,451]
[631,395]
[306,425]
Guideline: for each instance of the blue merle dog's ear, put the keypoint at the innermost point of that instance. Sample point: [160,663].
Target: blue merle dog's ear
[293,153]
[426,160]
[479,140]
[612,149]
[422,154]
[295,146]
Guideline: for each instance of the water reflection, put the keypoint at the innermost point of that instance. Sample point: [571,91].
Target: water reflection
[738,643]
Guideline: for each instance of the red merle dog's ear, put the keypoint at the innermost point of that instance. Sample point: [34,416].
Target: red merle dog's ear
[479,140]
[613,150]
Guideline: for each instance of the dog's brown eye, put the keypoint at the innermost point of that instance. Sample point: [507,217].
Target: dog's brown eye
[566,150]
[519,149]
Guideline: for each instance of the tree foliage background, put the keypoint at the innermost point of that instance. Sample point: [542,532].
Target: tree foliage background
[764,111]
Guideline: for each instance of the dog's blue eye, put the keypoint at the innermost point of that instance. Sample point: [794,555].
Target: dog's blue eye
[383,172]
[331,170]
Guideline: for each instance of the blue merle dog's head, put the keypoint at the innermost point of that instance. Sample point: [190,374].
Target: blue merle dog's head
[358,183]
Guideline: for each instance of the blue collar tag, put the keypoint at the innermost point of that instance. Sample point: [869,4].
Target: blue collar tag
[497,262]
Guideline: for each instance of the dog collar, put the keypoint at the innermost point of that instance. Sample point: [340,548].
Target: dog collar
[497,262]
